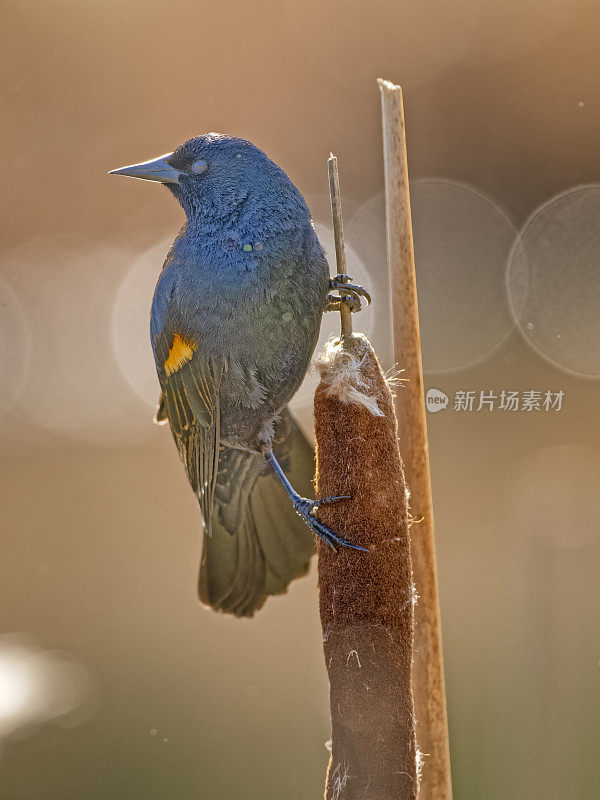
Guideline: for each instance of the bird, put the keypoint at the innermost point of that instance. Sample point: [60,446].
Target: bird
[234,321]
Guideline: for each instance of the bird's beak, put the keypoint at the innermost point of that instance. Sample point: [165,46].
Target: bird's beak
[158,169]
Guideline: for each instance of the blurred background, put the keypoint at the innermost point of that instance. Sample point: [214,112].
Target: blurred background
[114,682]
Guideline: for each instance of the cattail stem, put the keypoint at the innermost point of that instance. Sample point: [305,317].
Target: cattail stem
[428,672]
[365,599]
[338,234]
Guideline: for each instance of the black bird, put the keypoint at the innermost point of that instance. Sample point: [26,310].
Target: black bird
[235,319]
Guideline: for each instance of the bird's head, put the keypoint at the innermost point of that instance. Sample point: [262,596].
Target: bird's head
[214,174]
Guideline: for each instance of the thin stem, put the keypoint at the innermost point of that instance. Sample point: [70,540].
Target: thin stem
[338,235]
[428,670]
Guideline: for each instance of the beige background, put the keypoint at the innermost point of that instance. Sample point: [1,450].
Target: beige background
[116,683]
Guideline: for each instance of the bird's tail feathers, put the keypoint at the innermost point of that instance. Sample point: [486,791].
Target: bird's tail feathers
[271,545]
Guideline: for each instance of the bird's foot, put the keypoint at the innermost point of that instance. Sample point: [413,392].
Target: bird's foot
[305,508]
[349,293]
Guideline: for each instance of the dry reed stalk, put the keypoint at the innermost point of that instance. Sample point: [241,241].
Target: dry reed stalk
[428,672]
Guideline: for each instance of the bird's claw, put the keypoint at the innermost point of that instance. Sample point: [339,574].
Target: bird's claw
[350,294]
[333,303]
[305,508]
[327,500]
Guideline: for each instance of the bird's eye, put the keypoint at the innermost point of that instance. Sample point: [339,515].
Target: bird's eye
[199,166]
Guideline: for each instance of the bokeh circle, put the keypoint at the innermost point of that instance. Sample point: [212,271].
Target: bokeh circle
[553,281]
[462,242]
[131,323]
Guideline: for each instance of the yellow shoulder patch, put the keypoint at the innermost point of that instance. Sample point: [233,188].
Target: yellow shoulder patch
[180,352]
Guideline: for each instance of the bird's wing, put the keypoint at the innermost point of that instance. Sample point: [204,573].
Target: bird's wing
[190,399]
[254,542]
[258,544]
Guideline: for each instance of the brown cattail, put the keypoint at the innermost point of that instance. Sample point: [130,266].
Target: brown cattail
[366,599]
